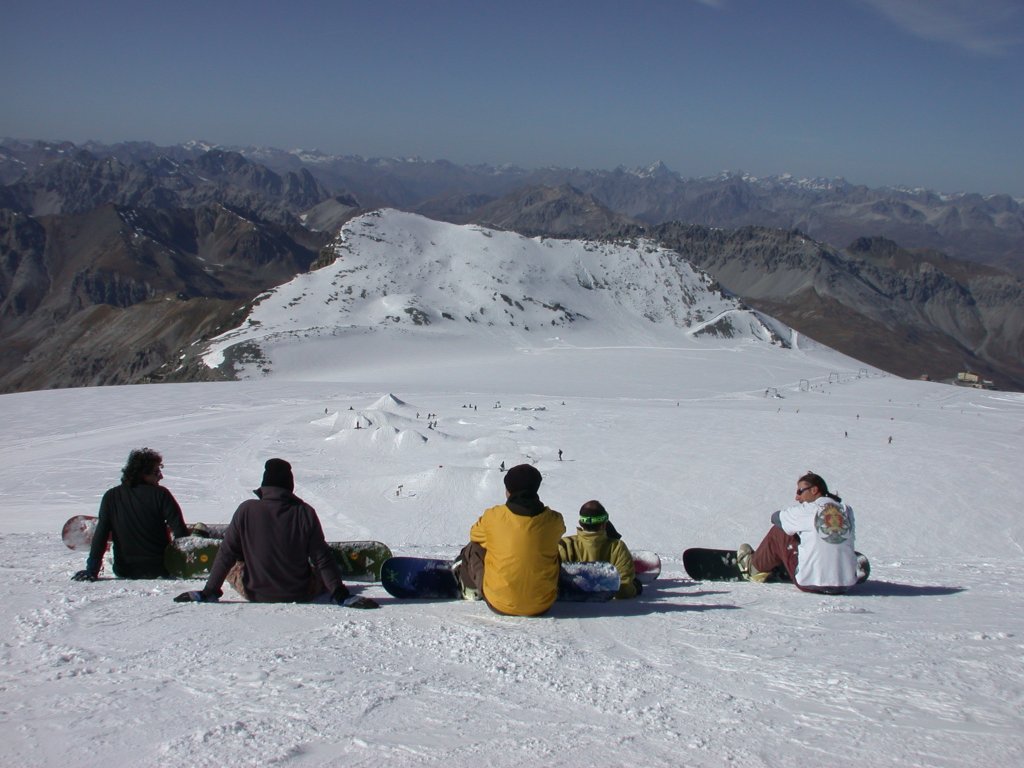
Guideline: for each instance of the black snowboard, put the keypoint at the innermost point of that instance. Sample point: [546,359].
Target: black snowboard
[720,565]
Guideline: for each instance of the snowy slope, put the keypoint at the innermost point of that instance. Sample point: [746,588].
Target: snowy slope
[423,281]
[688,441]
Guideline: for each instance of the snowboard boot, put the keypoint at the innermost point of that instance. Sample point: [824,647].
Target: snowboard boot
[468,593]
[744,559]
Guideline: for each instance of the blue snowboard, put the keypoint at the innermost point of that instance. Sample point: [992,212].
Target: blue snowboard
[426,579]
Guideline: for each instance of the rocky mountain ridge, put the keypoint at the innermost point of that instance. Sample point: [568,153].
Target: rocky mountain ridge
[113,260]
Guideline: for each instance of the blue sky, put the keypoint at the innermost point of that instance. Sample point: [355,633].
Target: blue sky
[911,92]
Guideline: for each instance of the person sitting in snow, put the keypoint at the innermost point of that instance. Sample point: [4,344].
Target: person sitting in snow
[511,560]
[813,540]
[268,549]
[593,543]
[137,515]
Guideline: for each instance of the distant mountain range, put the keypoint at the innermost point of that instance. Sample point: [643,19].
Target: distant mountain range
[967,226]
[114,260]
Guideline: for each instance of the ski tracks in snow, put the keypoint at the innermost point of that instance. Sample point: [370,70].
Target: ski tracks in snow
[689,674]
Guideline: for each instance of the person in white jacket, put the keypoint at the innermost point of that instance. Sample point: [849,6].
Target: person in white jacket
[813,540]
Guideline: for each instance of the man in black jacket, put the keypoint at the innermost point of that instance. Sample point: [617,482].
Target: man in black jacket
[137,515]
[274,550]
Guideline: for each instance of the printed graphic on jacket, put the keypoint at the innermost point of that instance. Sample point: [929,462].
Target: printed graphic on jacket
[832,524]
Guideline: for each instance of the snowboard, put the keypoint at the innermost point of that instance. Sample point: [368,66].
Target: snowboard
[720,565]
[192,557]
[647,565]
[433,579]
[78,531]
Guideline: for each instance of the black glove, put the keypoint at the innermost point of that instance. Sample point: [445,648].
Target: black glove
[359,602]
[83,576]
[639,587]
[199,596]
[341,596]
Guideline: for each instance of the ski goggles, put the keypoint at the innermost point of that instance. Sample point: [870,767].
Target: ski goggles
[594,519]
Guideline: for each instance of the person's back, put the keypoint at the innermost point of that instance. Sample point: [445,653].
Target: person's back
[522,564]
[827,556]
[278,536]
[511,560]
[813,540]
[138,516]
[591,543]
[274,551]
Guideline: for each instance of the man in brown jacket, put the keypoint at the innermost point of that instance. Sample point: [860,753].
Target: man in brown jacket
[268,549]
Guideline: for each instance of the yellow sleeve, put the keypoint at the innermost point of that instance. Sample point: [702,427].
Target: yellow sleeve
[622,559]
[565,550]
[478,532]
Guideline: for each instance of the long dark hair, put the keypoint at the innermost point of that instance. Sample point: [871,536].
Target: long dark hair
[817,481]
[141,461]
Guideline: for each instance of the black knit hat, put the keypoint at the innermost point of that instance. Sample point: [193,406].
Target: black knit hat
[278,473]
[522,477]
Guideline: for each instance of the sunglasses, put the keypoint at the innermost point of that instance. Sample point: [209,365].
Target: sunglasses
[802,491]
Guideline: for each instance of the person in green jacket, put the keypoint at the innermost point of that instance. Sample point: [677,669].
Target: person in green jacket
[595,541]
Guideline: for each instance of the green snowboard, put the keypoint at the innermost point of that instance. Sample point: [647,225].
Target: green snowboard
[192,557]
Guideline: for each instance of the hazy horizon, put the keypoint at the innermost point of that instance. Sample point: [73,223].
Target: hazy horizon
[894,93]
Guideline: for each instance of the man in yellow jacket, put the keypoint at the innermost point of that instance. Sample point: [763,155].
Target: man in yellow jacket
[594,542]
[511,560]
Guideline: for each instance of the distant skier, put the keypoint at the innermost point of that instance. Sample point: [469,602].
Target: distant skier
[559,454]
[813,540]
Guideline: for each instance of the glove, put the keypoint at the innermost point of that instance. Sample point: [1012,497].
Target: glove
[359,602]
[639,588]
[83,576]
[199,596]
[341,596]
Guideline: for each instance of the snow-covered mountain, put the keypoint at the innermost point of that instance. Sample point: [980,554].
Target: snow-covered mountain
[402,275]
